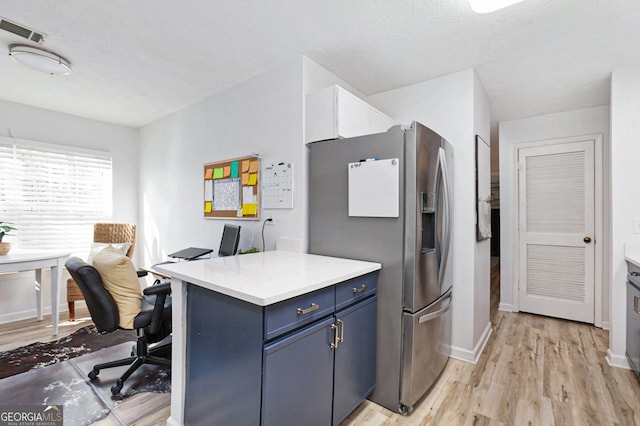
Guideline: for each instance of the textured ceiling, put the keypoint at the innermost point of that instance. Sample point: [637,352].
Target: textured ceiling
[137,61]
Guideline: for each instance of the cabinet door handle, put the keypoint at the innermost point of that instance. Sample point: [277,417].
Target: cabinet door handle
[313,307]
[635,304]
[336,339]
[338,334]
[362,288]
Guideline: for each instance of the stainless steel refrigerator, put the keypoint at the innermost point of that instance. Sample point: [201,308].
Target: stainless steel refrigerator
[387,198]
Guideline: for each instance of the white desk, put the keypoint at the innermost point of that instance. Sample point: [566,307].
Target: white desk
[32,260]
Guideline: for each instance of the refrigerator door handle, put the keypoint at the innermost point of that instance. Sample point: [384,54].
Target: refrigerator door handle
[435,314]
[447,214]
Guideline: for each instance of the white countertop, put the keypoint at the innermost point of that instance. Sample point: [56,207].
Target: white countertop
[632,253]
[269,277]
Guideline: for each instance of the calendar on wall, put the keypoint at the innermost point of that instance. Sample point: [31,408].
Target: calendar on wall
[277,186]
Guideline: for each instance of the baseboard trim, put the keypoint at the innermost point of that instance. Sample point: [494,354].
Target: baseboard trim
[507,307]
[618,361]
[474,355]
[23,315]
[33,313]
[172,422]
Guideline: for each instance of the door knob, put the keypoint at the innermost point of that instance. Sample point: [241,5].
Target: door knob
[586,240]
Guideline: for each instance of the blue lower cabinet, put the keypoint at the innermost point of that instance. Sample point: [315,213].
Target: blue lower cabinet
[298,380]
[319,374]
[355,358]
[314,373]
[223,360]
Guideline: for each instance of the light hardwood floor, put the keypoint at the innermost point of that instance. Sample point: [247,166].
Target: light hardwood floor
[534,371]
[21,333]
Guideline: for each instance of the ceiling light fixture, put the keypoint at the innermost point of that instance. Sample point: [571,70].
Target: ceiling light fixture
[487,6]
[39,59]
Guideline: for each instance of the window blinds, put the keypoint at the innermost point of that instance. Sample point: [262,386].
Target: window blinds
[53,197]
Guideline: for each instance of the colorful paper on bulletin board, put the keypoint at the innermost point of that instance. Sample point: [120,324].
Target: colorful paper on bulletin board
[249,209]
[208,190]
[253,179]
[245,178]
[247,195]
[208,174]
[253,167]
[227,171]
[245,165]
[218,173]
[207,207]
[234,169]
[226,194]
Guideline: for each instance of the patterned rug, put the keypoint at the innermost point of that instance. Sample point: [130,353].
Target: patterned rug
[37,355]
[85,401]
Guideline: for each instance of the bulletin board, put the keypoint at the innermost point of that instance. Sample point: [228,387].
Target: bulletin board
[232,189]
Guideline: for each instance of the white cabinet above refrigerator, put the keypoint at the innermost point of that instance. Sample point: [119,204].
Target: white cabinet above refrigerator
[333,113]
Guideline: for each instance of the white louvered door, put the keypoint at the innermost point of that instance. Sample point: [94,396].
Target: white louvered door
[556,230]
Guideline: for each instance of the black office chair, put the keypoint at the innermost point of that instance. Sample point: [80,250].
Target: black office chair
[153,323]
[229,241]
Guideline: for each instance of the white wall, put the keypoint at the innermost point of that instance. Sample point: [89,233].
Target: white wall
[545,127]
[17,299]
[456,107]
[482,282]
[263,115]
[625,203]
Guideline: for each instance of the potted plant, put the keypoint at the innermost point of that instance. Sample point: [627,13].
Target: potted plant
[251,250]
[5,228]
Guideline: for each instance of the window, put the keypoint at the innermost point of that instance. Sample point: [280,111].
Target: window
[53,196]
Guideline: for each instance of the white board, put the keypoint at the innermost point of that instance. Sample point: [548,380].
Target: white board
[374,188]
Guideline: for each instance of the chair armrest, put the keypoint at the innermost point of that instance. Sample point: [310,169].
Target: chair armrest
[157,289]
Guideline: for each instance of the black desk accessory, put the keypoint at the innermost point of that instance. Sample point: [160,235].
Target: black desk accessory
[191,253]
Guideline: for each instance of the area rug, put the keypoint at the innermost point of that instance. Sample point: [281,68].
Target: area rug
[37,355]
[87,401]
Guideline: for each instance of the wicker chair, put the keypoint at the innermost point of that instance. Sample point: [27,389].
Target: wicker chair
[102,233]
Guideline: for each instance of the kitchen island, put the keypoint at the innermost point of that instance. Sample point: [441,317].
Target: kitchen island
[271,338]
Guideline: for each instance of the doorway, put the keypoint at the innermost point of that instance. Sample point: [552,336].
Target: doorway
[559,205]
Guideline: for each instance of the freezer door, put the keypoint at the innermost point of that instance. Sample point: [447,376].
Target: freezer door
[426,345]
[445,271]
[428,218]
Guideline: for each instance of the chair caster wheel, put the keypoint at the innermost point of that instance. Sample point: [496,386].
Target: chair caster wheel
[93,374]
[115,389]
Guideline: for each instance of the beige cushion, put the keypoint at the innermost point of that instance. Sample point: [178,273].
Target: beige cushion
[121,281]
[96,247]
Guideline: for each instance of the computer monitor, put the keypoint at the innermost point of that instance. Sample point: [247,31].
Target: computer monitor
[230,239]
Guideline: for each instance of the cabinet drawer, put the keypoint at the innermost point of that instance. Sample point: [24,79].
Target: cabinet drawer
[633,274]
[355,289]
[298,311]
